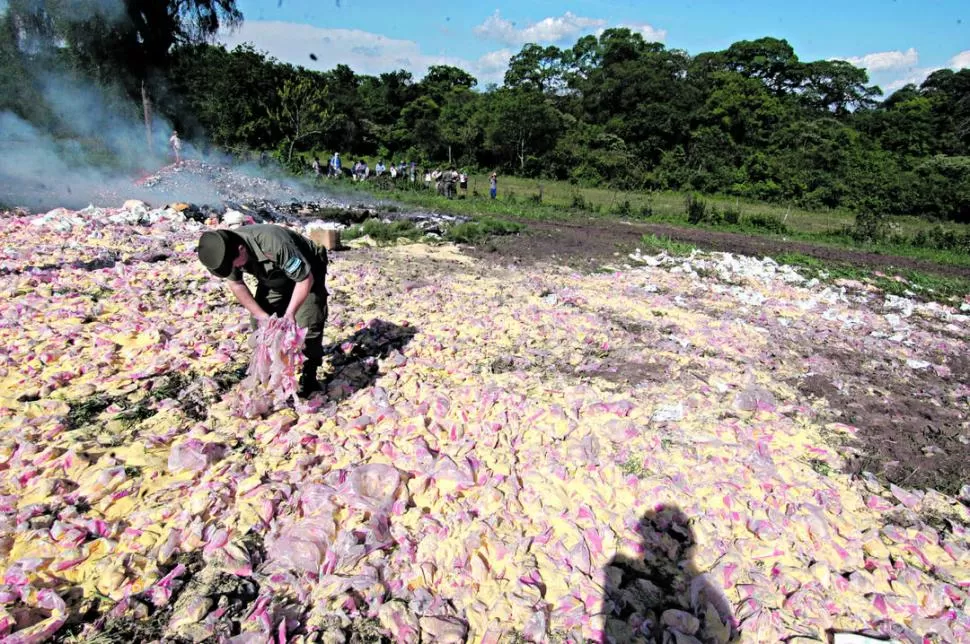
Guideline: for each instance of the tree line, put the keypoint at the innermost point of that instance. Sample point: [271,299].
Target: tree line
[752,120]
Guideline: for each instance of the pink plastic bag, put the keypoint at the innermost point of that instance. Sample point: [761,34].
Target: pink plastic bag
[271,381]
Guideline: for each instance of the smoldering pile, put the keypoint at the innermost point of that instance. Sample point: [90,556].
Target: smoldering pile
[218,190]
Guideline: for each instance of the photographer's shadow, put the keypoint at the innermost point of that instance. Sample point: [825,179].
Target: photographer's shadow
[353,362]
[663,597]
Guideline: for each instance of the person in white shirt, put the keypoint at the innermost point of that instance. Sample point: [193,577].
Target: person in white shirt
[176,144]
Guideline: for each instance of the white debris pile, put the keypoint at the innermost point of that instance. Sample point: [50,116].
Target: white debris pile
[726,266]
[133,213]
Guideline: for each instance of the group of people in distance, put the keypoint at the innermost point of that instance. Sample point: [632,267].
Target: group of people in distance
[446,183]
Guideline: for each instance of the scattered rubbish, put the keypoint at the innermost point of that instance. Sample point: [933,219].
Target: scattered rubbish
[479,458]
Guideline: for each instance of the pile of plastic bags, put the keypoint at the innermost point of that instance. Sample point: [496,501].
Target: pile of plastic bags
[545,454]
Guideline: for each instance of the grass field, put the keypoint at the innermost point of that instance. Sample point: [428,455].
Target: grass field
[520,198]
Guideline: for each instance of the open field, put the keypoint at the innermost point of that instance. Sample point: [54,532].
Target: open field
[562,201]
[509,449]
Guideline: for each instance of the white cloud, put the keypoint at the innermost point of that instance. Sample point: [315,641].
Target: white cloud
[886,60]
[917,75]
[363,51]
[961,60]
[495,61]
[547,30]
[648,31]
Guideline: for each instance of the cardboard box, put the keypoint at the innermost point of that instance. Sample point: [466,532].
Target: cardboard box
[329,239]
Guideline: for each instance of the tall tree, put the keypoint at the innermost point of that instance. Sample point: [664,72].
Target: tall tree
[538,68]
[770,60]
[131,39]
[303,111]
[838,87]
[442,79]
[521,125]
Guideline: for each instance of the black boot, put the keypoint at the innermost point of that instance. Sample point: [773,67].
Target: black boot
[309,384]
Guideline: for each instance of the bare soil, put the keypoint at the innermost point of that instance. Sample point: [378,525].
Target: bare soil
[591,243]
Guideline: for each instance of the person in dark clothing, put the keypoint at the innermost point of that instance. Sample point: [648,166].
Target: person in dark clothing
[290,271]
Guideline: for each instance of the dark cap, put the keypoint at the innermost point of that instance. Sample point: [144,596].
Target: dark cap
[218,249]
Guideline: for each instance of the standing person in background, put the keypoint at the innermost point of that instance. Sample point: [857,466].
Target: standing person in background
[316,167]
[463,183]
[335,164]
[176,144]
[414,172]
[379,168]
[493,185]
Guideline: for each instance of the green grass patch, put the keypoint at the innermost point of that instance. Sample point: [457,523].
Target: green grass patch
[384,232]
[634,466]
[470,232]
[930,286]
[477,231]
[820,467]
[83,412]
[672,246]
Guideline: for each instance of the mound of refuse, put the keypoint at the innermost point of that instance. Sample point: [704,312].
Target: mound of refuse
[669,451]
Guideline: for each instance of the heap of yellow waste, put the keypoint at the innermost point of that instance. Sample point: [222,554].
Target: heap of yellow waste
[502,452]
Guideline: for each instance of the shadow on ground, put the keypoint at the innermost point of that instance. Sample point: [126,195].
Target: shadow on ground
[353,361]
[661,596]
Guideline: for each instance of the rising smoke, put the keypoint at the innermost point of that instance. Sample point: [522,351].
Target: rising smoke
[93,145]
[91,154]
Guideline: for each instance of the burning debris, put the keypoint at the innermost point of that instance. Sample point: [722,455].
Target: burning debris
[220,189]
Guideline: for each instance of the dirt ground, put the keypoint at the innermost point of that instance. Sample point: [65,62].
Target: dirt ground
[914,438]
[593,242]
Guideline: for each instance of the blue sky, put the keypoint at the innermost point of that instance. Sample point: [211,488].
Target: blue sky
[897,41]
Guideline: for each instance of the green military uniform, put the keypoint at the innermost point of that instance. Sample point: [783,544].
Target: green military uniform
[279,258]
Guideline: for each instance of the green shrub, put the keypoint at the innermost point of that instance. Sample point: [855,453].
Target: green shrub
[714,216]
[870,227]
[383,232]
[579,202]
[646,211]
[732,216]
[473,232]
[696,209]
[768,223]
[623,209]
[920,239]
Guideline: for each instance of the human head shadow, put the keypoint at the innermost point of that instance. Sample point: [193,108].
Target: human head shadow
[661,596]
[354,360]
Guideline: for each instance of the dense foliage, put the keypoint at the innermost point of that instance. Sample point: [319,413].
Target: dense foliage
[752,120]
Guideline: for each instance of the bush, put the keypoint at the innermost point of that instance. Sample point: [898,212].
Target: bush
[646,211]
[696,209]
[768,223]
[714,216]
[732,217]
[473,232]
[940,238]
[383,232]
[623,209]
[579,202]
[869,227]
[536,199]
[920,239]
